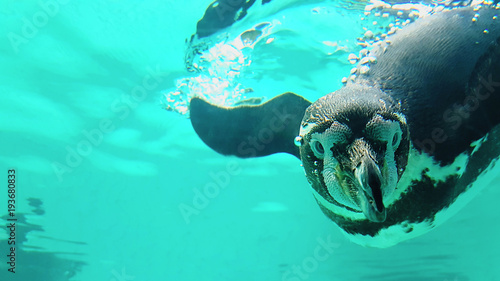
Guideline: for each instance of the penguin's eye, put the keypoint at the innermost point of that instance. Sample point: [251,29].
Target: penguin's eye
[396,139]
[317,148]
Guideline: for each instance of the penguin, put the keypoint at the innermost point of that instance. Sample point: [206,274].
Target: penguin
[411,137]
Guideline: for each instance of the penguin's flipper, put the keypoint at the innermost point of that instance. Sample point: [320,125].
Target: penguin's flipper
[250,130]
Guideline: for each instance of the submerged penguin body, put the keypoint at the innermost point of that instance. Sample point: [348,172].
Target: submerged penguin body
[404,144]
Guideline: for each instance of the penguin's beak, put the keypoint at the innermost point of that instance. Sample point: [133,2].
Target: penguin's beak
[369,192]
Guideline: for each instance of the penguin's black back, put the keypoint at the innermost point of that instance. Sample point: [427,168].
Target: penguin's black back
[445,71]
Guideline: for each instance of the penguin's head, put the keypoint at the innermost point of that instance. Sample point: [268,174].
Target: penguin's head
[354,146]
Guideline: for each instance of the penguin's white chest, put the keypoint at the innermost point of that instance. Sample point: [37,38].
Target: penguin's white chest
[471,174]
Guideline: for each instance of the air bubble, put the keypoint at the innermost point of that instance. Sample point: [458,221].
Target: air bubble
[363,61]
[368,34]
[298,141]
[392,30]
[352,58]
[364,69]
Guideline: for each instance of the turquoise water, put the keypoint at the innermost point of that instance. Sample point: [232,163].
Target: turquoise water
[105,177]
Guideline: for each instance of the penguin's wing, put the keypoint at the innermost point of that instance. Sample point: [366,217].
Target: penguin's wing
[250,130]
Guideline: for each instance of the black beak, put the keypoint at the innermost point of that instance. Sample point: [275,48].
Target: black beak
[370,190]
